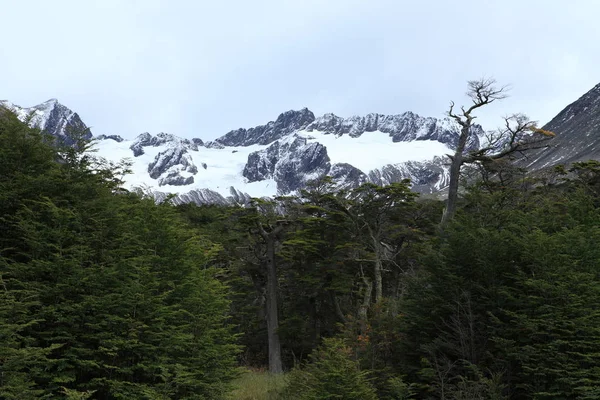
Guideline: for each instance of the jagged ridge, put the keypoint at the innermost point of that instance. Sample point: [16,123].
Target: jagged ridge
[279,157]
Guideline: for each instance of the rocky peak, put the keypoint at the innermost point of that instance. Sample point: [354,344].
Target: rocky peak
[401,127]
[291,162]
[285,124]
[54,119]
[147,140]
[116,138]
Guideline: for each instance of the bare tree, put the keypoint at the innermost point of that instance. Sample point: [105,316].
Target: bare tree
[517,135]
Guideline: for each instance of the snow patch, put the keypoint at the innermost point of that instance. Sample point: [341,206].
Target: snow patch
[372,150]
[223,168]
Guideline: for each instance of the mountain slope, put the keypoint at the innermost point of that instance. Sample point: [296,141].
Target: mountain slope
[577,129]
[276,158]
[282,156]
[52,118]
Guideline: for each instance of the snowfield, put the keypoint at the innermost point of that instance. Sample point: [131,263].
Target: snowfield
[373,150]
[221,169]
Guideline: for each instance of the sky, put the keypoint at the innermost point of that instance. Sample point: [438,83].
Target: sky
[199,68]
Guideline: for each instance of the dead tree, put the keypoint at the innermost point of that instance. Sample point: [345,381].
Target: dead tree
[518,134]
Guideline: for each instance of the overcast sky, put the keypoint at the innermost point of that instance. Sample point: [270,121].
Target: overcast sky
[200,68]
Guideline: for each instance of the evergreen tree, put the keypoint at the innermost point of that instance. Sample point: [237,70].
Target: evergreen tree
[330,374]
[104,293]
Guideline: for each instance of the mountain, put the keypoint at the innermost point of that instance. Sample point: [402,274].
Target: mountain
[577,129]
[282,156]
[53,118]
[277,158]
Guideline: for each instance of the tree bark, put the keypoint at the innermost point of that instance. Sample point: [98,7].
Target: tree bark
[455,166]
[338,309]
[275,365]
[452,190]
[377,271]
[364,307]
[378,265]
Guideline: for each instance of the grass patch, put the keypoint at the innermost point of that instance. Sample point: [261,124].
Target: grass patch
[257,385]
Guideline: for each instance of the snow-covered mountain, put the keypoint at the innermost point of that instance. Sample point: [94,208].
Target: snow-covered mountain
[281,156]
[277,158]
[52,117]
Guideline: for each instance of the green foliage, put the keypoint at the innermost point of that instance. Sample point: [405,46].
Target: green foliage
[103,294]
[107,295]
[508,308]
[71,394]
[255,385]
[330,374]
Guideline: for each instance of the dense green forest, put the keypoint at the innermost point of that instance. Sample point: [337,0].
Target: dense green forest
[353,294]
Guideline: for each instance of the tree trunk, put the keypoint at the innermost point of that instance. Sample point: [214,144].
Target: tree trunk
[338,309]
[378,265]
[452,189]
[366,303]
[377,271]
[275,365]
[455,166]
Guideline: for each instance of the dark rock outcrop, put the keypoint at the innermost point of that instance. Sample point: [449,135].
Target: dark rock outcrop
[174,178]
[147,140]
[347,176]
[287,123]
[291,163]
[425,176]
[116,138]
[174,156]
[577,130]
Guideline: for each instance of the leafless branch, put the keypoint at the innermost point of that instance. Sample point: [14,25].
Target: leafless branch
[517,135]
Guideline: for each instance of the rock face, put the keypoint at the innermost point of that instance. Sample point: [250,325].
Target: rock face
[291,163]
[287,123]
[116,138]
[54,119]
[206,196]
[347,176]
[147,140]
[577,130]
[198,196]
[172,166]
[425,177]
[401,128]
[172,157]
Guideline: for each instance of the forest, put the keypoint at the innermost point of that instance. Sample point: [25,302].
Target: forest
[357,293]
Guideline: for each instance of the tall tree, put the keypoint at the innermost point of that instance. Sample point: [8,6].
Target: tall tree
[518,134]
[266,226]
[379,217]
[102,292]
